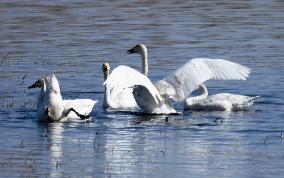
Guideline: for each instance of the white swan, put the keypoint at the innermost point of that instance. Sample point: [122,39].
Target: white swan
[51,106]
[218,102]
[117,98]
[178,85]
[145,93]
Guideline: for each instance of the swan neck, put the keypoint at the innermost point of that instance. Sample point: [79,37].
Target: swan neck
[107,100]
[144,61]
[193,100]
[106,93]
[204,91]
[106,74]
[43,88]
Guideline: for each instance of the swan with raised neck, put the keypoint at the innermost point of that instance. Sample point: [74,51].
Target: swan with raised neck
[142,50]
[106,69]
[116,97]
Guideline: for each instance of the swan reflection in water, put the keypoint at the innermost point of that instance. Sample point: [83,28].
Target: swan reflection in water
[54,132]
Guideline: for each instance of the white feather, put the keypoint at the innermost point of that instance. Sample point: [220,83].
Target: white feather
[82,106]
[50,104]
[145,93]
[180,84]
[54,99]
[218,102]
[125,78]
[117,97]
[222,102]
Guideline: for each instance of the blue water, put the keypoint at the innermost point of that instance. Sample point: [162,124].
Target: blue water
[73,39]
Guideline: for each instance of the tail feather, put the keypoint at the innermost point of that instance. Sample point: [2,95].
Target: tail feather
[245,105]
[252,99]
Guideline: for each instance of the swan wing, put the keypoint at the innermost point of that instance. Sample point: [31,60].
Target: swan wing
[148,101]
[145,98]
[124,77]
[82,106]
[181,83]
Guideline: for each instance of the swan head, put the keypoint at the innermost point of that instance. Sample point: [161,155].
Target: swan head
[190,101]
[139,48]
[38,84]
[50,83]
[105,67]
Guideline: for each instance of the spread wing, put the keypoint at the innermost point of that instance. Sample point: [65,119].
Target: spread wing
[124,77]
[180,84]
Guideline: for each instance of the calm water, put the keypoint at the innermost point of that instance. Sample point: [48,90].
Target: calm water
[73,39]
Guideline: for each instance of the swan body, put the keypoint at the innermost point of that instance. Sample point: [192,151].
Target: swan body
[117,98]
[218,102]
[145,93]
[178,85]
[51,106]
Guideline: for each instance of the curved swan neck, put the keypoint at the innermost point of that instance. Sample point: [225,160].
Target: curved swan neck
[42,94]
[204,91]
[193,100]
[145,64]
[43,88]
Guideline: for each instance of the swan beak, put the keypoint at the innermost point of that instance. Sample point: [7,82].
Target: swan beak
[37,84]
[32,86]
[130,51]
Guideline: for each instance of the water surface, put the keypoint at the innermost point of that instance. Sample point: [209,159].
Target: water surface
[73,39]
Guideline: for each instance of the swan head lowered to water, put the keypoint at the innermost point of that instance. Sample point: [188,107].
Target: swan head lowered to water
[195,99]
[218,102]
[142,50]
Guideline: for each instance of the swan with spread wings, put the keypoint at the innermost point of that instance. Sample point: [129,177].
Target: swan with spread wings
[116,98]
[155,98]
